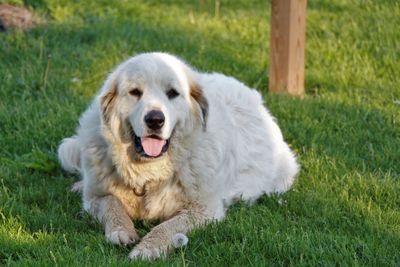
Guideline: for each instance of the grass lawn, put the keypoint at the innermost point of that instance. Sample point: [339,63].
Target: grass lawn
[344,208]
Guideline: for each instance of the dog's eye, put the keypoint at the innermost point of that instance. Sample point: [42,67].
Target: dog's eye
[136,92]
[172,93]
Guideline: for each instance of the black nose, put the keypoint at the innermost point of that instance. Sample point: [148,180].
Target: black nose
[154,119]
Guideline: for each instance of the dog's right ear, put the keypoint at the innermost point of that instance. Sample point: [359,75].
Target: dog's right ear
[107,100]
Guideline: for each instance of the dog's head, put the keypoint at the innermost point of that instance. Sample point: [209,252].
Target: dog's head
[147,99]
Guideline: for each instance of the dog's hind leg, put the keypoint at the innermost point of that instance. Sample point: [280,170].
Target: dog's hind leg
[77,187]
[118,226]
[287,170]
[69,154]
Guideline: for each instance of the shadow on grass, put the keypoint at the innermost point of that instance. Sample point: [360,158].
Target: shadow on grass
[105,42]
[357,138]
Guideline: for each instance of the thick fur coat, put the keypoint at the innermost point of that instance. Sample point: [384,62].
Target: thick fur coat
[162,141]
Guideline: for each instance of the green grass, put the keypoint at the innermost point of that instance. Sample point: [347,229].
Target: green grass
[344,208]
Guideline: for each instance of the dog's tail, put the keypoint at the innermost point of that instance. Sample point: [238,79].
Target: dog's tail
[69,154]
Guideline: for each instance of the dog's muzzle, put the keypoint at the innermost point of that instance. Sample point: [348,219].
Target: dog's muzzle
[151,145]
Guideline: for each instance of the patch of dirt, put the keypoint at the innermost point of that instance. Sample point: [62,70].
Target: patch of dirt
[15,17]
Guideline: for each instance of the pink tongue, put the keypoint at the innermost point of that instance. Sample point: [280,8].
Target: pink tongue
[152,146]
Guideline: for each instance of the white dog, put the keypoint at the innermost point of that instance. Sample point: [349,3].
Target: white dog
[162,141]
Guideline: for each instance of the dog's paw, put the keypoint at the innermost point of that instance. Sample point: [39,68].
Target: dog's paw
[122,236]
[144,253]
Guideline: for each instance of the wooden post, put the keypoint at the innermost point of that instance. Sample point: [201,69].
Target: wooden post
[288,31]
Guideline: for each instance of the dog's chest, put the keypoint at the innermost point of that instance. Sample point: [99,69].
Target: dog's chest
[160,201]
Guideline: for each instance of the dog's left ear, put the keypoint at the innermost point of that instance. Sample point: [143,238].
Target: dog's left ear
[107,101]
[197,94]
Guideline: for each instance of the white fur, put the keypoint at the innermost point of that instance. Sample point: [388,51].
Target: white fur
[69,154]
[179,240]
[239,155]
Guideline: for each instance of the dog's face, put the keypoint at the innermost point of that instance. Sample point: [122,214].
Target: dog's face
[147,98]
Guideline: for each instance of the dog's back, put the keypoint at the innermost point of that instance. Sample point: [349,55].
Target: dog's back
[262,160]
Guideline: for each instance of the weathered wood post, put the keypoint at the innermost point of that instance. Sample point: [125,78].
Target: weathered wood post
[287,49]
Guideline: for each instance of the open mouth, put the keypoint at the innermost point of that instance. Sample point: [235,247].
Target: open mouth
[151,146]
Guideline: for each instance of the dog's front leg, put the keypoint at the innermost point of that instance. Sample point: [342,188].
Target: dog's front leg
[160,239]
[118,226]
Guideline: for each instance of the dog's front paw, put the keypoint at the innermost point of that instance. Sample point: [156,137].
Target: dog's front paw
[145,253]
[121,236]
